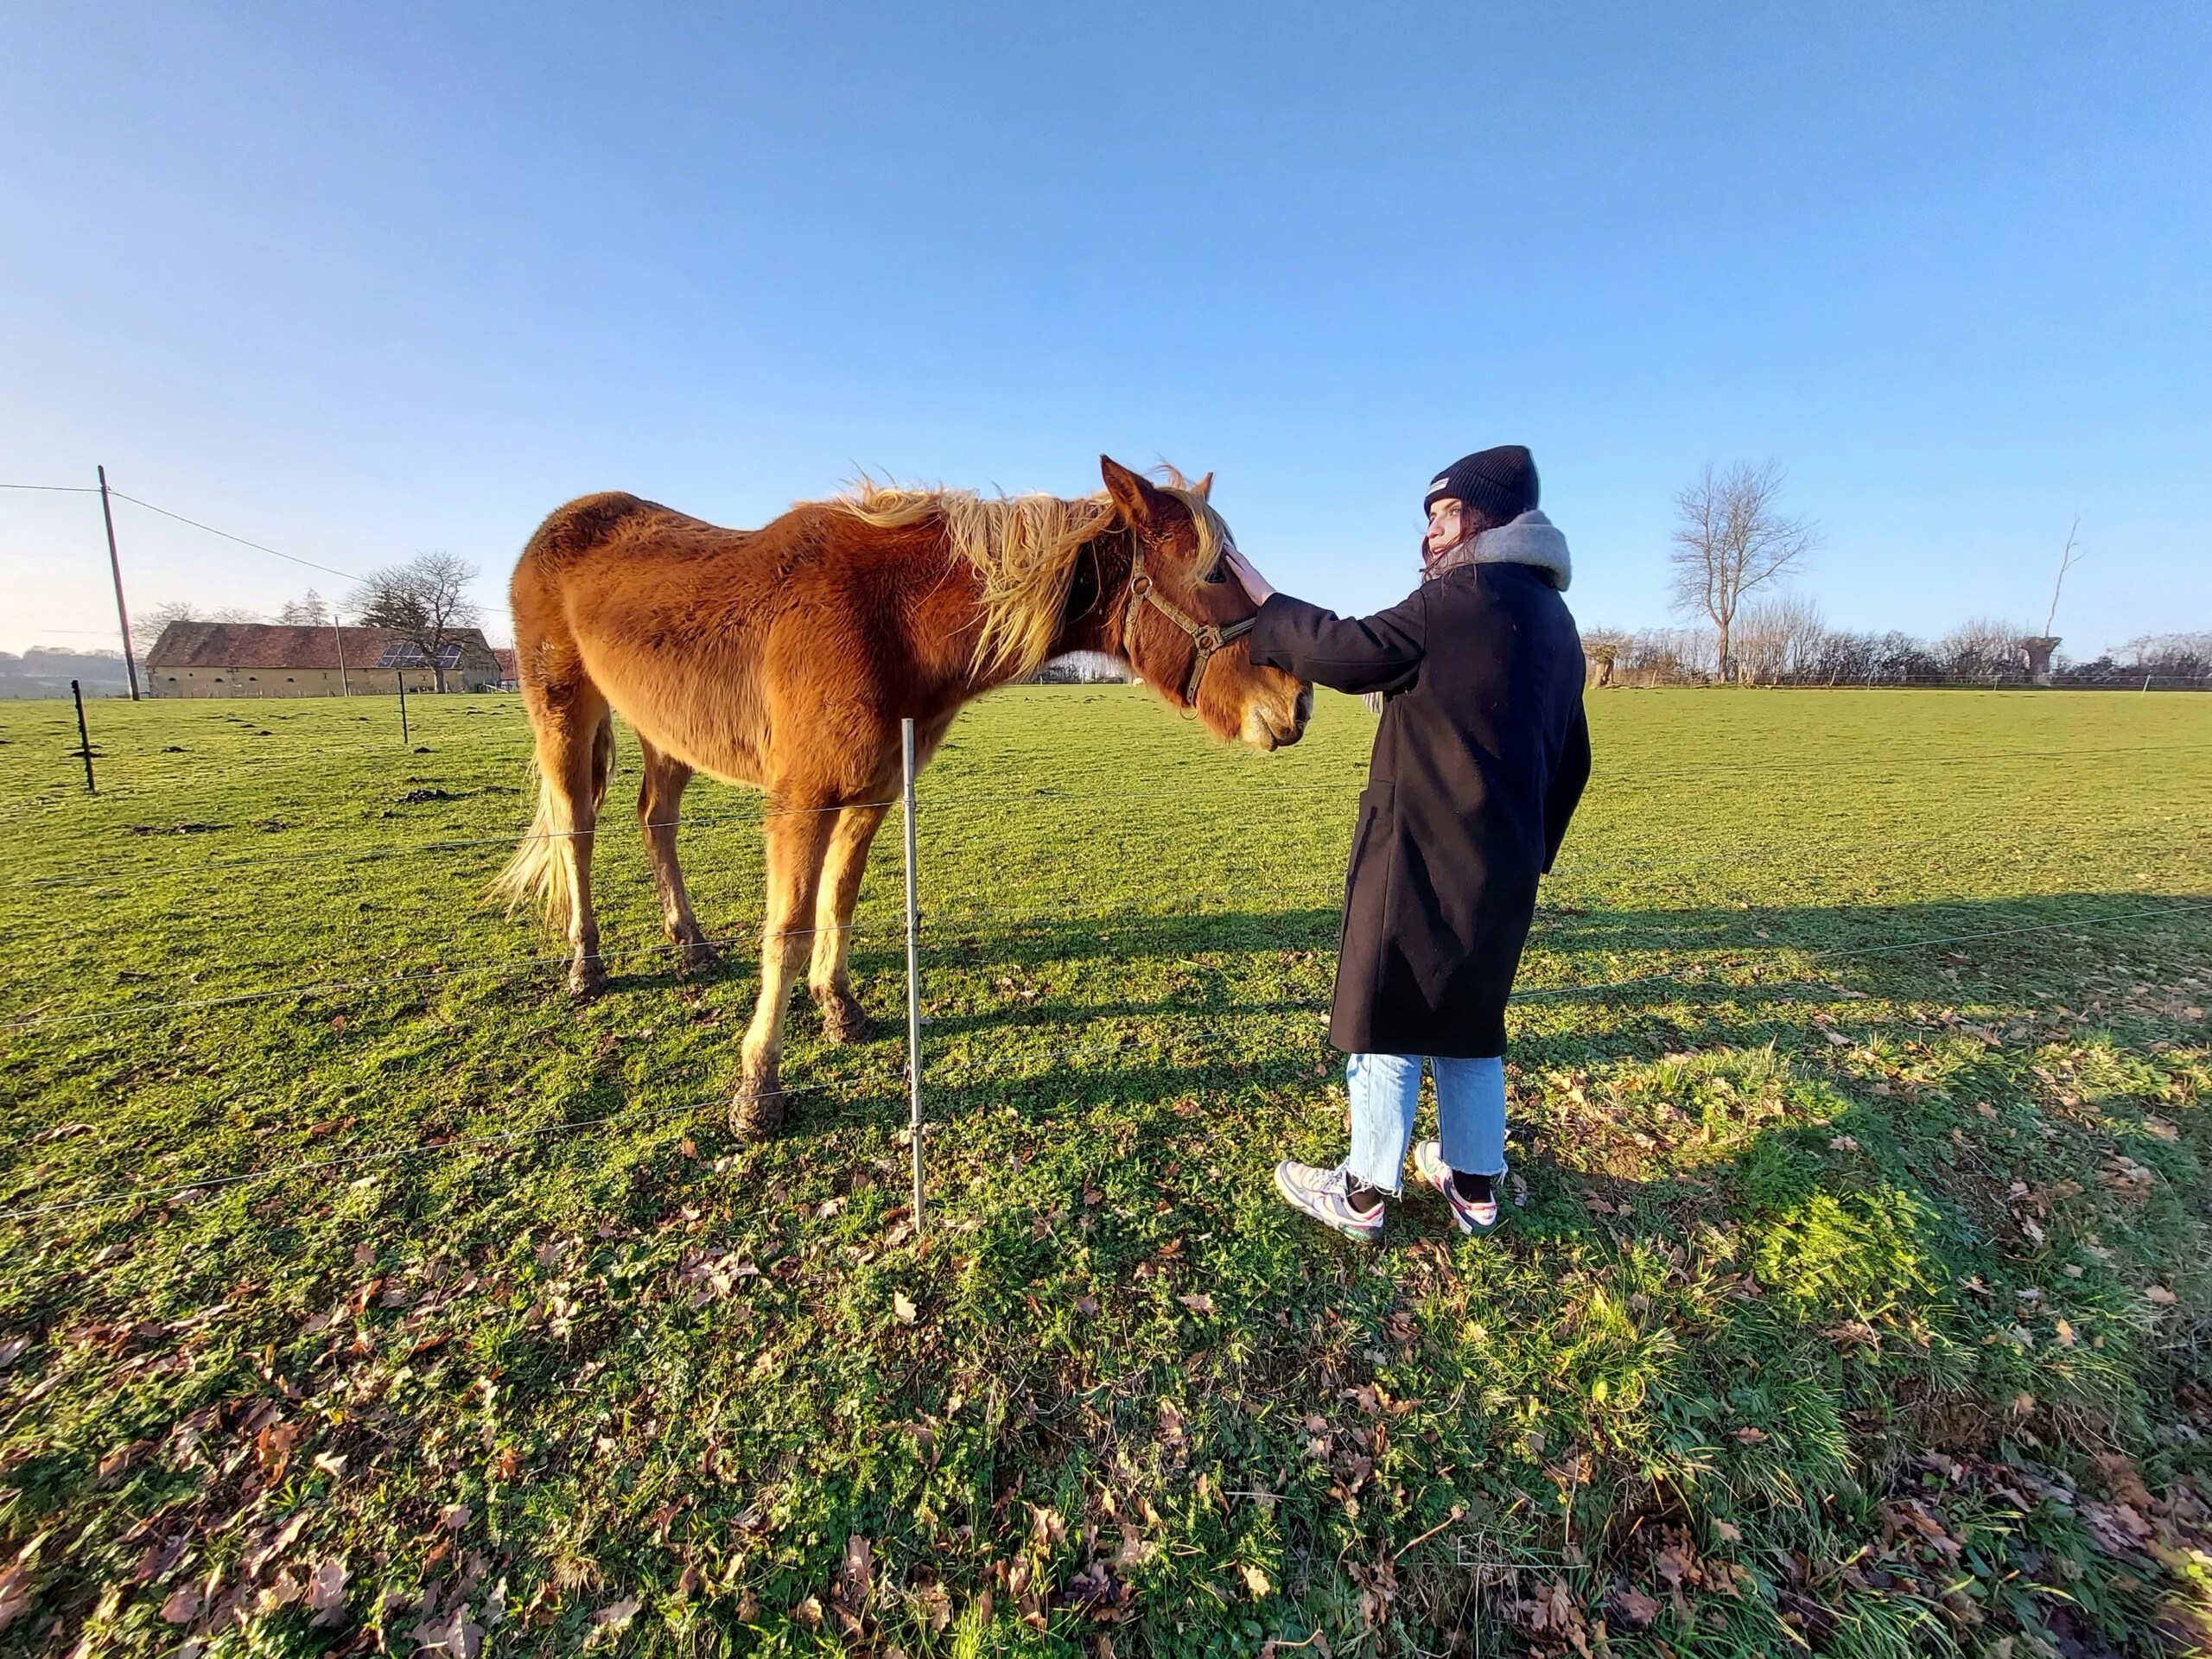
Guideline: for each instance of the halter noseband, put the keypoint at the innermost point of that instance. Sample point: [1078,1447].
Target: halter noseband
[1206,638]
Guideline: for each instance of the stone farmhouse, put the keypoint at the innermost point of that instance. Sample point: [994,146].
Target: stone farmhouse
[260,659]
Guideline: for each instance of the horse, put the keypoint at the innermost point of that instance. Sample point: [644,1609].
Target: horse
[785,657]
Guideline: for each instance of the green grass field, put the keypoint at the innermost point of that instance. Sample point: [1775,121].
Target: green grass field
[1854,1297]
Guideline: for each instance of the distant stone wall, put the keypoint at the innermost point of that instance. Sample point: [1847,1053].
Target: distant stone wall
[311,682]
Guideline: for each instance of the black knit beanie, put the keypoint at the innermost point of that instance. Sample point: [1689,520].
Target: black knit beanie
[1500,483]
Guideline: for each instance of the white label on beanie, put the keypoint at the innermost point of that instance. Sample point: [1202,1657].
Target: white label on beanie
[1440,480]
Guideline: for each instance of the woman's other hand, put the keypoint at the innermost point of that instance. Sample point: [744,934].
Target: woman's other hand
[1248,576]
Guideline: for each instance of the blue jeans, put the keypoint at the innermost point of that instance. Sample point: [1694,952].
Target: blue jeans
[1469,1113]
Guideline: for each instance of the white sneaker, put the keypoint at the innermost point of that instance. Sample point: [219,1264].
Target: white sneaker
[1325,1194]
[1471,1216]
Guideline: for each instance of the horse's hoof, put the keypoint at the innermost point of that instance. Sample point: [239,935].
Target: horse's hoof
[587,978]
[695,957]
[757,1110]
[843,1019]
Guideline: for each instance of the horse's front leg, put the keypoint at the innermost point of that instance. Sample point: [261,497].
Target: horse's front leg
[798,839]
[843,1019]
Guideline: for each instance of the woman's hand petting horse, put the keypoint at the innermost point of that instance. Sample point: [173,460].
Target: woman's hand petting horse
[1247,576]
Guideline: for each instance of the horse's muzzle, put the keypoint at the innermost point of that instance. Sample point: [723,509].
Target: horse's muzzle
[1270,728]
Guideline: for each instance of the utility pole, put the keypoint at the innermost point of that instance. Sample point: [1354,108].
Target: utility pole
[115,566]
[336,633]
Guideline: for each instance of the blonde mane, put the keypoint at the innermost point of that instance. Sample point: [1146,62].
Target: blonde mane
[1022,550]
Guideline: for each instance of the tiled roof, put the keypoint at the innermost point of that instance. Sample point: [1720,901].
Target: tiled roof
[266,644]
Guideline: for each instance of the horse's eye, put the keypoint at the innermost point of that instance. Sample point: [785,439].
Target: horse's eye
[1218,572]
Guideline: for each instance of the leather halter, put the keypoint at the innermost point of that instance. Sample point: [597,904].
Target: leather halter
[1206,638]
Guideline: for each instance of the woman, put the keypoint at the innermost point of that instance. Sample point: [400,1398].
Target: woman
[1481,756]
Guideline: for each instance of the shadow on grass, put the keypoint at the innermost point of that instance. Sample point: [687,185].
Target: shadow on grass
[1627,957]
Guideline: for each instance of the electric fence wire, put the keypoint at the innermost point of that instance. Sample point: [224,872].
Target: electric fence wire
[430,974]
[428,977]
[456,1143]
[1201,801]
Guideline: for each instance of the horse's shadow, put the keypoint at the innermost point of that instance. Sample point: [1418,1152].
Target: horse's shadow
[1596,990]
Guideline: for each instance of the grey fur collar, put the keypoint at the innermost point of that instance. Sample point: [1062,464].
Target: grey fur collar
[1531,539]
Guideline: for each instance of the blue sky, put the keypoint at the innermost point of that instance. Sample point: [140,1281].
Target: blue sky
[358,280]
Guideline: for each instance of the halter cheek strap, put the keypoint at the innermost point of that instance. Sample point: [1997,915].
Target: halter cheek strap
[1206,638]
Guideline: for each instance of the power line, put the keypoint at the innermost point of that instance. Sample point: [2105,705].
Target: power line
[328,570]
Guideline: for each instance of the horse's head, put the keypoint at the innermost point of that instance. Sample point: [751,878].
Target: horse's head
[1180,620]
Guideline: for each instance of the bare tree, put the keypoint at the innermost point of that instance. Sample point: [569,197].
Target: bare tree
[149,624]
[1982,651]
[1776,638]
[1733,540]
[2067,560]
[154,620]
[424,600]
[307,611]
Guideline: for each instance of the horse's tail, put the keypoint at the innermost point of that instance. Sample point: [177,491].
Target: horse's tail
[537,875]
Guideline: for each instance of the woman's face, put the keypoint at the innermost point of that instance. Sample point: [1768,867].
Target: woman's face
[1443,527]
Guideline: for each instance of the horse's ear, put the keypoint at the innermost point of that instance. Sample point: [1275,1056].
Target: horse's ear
[1139,502]
[1204,488]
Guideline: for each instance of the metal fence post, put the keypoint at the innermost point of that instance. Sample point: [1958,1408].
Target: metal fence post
[400,674]
[913,968]
[84,750]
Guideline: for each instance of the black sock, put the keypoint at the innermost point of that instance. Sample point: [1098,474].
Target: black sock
[1473,1189]
[1364,1199]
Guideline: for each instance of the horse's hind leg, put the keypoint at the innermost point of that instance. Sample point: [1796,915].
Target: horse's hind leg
[843,1019]
[574,735]
[797,840]
[585,759]
[660,799]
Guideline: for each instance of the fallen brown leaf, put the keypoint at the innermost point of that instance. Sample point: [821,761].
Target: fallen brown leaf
[326,1593]
[1636,1609]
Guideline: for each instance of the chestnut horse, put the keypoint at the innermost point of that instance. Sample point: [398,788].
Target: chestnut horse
[785,657]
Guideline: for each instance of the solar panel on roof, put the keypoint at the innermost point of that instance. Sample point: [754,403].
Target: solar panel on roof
[405,653]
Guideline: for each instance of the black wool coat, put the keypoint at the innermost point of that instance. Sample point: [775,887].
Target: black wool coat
[1482,755]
